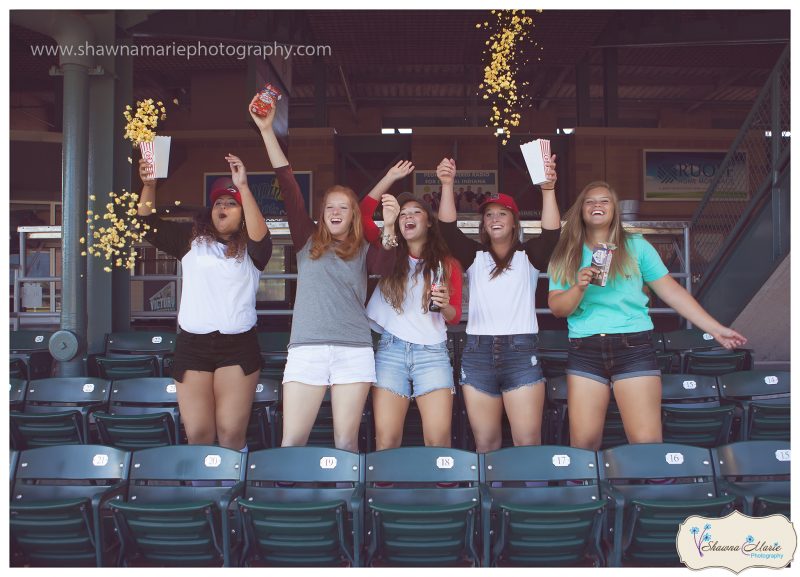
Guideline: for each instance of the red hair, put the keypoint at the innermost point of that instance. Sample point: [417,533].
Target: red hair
[322,239]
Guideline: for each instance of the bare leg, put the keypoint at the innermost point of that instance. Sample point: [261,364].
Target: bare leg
[196,404]
[639,401]
[587,402]
[347,403]
[234,393]
[390,415]
[436,409]
[301,404]
[485,417]
[524,407]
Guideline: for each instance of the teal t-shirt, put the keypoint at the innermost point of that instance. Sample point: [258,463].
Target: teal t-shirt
[620,306]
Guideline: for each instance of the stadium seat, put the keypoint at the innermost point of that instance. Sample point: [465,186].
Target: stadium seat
[262,429]
[700,354]
[303,507]
[541,506]
[177,510]
[651,489]
[30,355]
[553,347]
[142,413]
[757,473]
[762,400]
[57,411]
[422,506]
[58,513]
[691,413]
[666,359]
[136,354]
[16,391]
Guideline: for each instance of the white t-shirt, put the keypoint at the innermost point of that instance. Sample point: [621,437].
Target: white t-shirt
[219,293]
[412,325]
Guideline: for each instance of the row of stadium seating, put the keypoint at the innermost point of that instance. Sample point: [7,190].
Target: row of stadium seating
[138,354]
[141,413]
[415,506]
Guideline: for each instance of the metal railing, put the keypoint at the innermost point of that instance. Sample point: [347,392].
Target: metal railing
[746,178]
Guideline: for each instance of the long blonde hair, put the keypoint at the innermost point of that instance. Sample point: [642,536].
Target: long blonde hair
[322,239]
[568,254]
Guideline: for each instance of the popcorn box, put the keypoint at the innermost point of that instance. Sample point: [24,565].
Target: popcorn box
[536,153]
[157,154]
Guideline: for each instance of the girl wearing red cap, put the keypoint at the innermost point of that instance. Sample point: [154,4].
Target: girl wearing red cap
[217,358]
[330,343]
[499,367]
[412,360]
[609,326]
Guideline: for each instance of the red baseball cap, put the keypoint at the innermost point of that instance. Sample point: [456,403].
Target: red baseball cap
[230,190]
[502,200]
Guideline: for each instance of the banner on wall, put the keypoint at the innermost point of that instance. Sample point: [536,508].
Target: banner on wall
[471,188]
[265,189]
[687,174]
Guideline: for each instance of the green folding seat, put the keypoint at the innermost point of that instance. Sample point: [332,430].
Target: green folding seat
[757,473]
[553,348]
[762,400]
[303,507]
[59,514]
[142,413]
[137,354]
[691,412]
[651,489]
[17,388]
[262,428]
[178,511]
[700,354]
[422,505]
[541,506]
[30,355]
[58,411]
[666,359]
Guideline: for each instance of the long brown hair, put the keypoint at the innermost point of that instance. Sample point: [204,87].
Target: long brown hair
[204,229]
[434,251]
[501,264]
[322,239]
[568,254]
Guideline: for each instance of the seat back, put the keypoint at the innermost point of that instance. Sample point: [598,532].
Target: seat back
[552,348]
[715,362]
[56,504]
[262,427]
[762,398]
[691,413]
[140,343]
[178,505]
[653,488]
[137,354]
[535,496]
[688,340]
[755,470]
[422,504]
[555,413]
[745,386]
[142,413]
[17,388]
[30,355]
[56,411]
[303,507]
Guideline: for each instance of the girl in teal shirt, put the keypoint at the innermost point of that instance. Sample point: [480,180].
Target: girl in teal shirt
[609,327]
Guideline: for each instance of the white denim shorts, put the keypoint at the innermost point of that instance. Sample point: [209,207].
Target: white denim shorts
[325,365]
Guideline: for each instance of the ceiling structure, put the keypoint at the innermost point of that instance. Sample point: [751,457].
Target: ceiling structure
[685,58]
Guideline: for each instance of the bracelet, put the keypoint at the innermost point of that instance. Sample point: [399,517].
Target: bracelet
[388,240]
[543,188]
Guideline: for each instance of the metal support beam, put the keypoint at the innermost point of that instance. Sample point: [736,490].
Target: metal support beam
[554,87]
[350,101]
[320,92]
[583,103]
[610,87]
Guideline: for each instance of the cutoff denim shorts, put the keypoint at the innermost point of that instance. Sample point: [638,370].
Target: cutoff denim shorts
[607,358]
[411,370]
[498,364]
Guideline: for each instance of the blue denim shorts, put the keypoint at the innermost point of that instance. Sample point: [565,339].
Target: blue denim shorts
[412,370]
[608,358]
[498,364]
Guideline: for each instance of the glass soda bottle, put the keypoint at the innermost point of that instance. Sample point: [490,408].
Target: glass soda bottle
[437,280]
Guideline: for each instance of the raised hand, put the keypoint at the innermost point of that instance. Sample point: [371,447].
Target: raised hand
[446,171]
[238,171]
[550,173]
[400,170]
[146,172]
[391,208]
[263,122]
[729,338]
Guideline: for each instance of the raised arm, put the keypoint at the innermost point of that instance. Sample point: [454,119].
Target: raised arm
[446,171]
[256,226]
[540,249]
[148,194]
[301,225]
[463,248]
[381,256]
[370,202]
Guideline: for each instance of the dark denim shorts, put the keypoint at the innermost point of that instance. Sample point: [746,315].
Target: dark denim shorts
[212,351]
[497,365]
[609,358]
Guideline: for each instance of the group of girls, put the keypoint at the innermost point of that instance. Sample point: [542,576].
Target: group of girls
[421,258]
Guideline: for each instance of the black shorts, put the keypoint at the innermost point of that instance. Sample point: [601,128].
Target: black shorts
[211,351]
[609,358]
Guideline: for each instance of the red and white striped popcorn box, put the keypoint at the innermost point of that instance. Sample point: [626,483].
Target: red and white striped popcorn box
[156,153]
[536,153]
